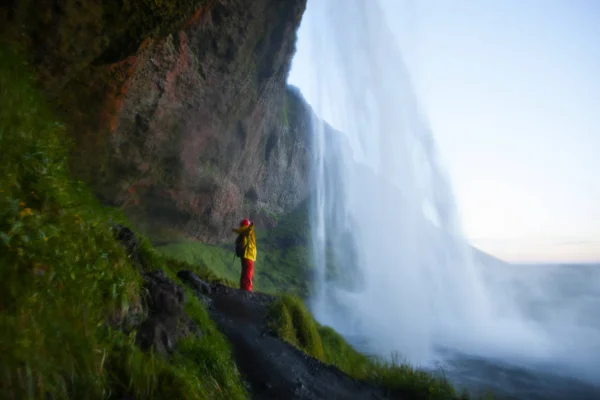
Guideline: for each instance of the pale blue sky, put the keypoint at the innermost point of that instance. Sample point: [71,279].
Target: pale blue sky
[512,92]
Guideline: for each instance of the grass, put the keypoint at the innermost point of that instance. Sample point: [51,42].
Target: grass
[291,321]
[64,276]
[275,270]
[206,362]
[283,262]
[294,323]
[202,367]
[62,272]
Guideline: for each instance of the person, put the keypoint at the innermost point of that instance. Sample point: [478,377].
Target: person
[245,249]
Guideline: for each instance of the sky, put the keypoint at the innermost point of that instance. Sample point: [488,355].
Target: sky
[511,89]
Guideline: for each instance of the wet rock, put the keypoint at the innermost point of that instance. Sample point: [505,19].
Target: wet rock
[272,368]
[167,321]
[206,128]
[202,289]
[153,333]
[194,282]
[164,296]
[161,321]
[130,242]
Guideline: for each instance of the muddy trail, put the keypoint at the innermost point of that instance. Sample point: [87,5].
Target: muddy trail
[272,368]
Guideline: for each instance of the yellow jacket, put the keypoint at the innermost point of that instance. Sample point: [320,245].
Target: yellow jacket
[249,241]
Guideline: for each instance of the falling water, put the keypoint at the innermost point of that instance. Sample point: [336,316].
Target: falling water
[384,217]
[392,265]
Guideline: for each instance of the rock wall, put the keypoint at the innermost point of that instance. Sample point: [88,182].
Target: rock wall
[200,138]
[182,118]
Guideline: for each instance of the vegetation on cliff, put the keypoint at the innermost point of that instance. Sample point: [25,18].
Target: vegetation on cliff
[67,284]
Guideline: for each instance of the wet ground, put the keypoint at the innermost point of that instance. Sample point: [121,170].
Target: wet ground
[272,368]
[509,381]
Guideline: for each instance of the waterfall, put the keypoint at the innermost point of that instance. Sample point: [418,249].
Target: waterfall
[392,264]
[393,267]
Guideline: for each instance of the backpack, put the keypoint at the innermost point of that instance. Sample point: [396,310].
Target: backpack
[240,249]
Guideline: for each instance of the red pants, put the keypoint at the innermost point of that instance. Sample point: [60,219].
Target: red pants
[247,272]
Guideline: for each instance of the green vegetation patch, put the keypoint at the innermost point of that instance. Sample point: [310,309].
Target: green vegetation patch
[291,321]
[204,259]
[275,271]
[205,362]
[201,368]
[62,273]
[283,262]
[64,277]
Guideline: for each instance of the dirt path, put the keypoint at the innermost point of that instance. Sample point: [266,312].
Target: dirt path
[274,369]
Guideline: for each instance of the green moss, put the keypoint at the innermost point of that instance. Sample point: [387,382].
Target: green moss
[291,321]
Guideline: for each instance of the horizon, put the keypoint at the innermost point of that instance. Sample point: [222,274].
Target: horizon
[540,262]
[513,115]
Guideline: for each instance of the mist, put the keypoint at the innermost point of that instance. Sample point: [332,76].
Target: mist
[393,265]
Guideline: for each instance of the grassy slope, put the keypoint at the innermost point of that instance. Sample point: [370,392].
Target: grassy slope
[63,275]
[275,271]
[283,266]
[283,262]
[292,322]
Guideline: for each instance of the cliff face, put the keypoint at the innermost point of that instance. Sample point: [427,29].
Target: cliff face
[200,138]
[190,129]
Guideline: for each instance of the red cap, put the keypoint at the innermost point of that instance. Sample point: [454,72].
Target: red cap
[245,222]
